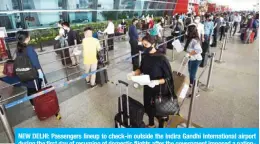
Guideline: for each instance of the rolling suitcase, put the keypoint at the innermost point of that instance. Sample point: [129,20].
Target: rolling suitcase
[130,112]
[47,104]
[169,40]
[101,77]
[252,37]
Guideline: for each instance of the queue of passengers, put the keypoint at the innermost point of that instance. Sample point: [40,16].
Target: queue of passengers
[197,31]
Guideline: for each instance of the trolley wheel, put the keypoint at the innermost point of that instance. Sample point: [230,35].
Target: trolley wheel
[58,116]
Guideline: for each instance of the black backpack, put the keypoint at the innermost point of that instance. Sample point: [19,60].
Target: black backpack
[24,69]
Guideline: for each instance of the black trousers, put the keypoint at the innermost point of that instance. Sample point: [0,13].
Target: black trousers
[31,91]
[222,32]
[161,121]
[215,38]
[134,50]
[235,28]
[110,42]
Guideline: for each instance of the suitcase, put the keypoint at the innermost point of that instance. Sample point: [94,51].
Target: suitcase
[169,40]
[181,82]
[46,105]
[247,36]
[101,77]
[130,112]
[252,37]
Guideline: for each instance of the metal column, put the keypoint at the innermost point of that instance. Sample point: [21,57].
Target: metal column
[194,91]
[221,53]
[207,86]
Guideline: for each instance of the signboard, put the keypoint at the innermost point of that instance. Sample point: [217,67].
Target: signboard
[3,51]
[3,32]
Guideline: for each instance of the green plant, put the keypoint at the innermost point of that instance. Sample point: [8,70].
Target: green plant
[41,36]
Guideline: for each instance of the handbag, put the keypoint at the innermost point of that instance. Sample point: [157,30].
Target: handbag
[76,51]
[9,68]
[166,105]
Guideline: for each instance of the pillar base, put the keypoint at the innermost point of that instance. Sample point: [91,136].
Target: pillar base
[220,62]
[204,88]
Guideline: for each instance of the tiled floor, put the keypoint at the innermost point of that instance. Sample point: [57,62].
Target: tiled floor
[234,101]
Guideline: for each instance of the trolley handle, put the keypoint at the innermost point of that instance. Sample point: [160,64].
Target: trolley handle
[122,82]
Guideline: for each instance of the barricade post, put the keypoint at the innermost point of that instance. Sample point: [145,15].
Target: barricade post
[7,127]
[173,58]
[65,62]
[194,91]
[225,42]
[140,58]
[207,87]
[221,54]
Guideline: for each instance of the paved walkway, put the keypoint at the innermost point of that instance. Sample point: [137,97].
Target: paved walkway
[233,102]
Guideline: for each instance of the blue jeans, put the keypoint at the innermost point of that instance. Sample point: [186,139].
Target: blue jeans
[193,68]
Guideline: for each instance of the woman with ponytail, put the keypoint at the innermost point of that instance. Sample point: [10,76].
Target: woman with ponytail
[23,48]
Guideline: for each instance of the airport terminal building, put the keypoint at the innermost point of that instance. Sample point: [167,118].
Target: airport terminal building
[33,14]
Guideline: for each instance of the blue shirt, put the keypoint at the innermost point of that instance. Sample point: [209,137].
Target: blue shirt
[95,35]
[208,28]
[133,34]
[35,62]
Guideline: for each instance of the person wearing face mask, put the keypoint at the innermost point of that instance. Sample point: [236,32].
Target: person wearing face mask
[200,28]
[158,68]
[73,40]
[208,32]
[33,86]
[194,50]
[62,36]
[222,27]
[134,39]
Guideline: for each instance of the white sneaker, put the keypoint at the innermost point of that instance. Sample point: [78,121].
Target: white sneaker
[33,108]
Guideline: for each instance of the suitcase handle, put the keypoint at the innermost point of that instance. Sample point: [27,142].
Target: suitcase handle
[122,82]
[127,102]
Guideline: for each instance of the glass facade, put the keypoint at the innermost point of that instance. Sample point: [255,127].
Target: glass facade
[31,14]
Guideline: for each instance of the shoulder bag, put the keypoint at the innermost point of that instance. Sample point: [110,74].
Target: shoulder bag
[166,105]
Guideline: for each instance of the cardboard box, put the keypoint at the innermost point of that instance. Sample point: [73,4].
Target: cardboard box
[181,84]
[179,122]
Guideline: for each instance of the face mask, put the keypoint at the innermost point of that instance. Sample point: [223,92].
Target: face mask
[147,50]
[197,21]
